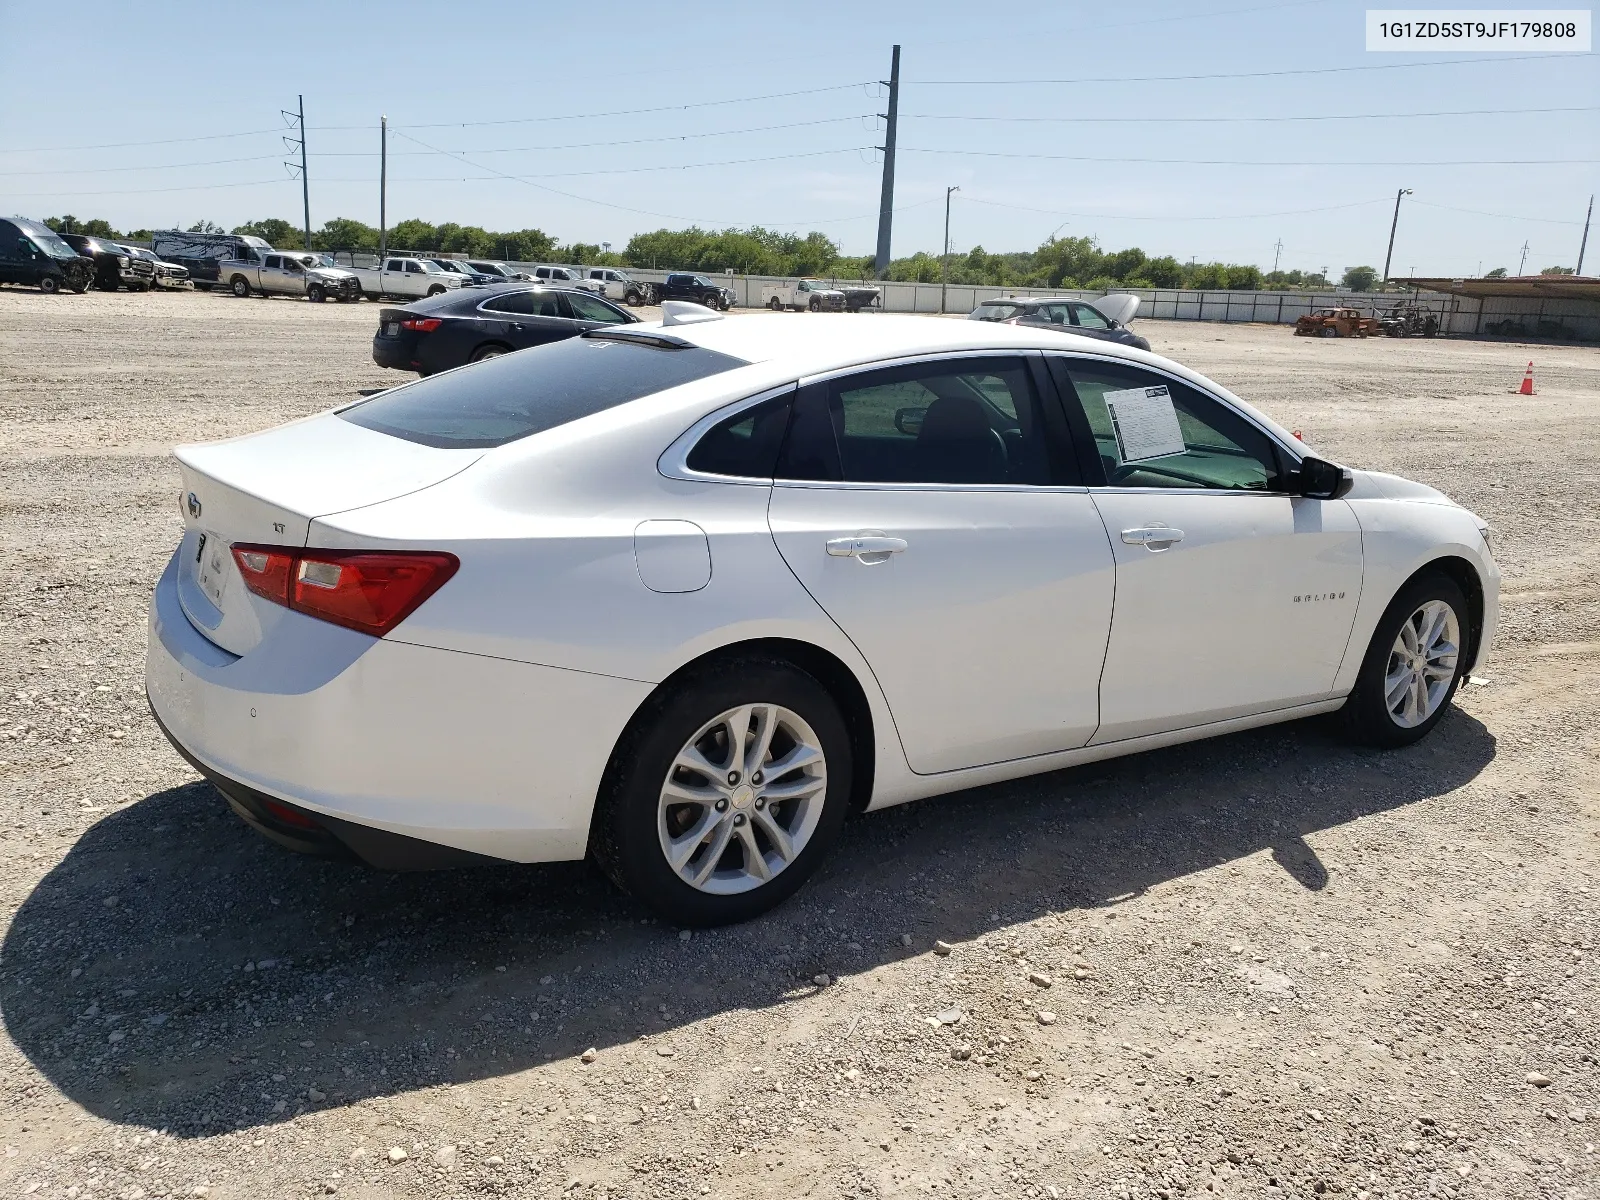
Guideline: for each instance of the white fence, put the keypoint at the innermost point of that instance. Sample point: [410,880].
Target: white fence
[1459,315]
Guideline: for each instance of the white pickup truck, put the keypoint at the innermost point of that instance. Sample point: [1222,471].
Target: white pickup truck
[407,278]
[806,294]
[615,284]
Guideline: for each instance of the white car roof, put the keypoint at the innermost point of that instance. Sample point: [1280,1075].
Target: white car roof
[825,342]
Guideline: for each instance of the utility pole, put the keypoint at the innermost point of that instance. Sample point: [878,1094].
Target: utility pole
[383,188]
[305,179]
[305,182]
[1392,225]
[944,266]
[1584,245]
[1524,261]
[1277,250]
[880,261]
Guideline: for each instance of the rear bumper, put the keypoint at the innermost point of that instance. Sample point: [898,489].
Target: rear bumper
[404,755]
[397,353]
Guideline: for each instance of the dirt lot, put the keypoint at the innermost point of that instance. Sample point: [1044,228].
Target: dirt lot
[1278,965]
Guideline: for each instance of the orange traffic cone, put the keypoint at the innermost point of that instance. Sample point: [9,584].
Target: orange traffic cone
[1527,383]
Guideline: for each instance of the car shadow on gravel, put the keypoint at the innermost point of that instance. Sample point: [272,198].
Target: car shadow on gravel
[176,971]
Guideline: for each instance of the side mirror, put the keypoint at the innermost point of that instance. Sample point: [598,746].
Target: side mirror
[909,420]
[1318,479]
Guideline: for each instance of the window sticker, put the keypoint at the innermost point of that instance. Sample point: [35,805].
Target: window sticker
[1145,423]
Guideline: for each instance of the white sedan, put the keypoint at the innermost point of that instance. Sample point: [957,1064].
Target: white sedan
[682,595]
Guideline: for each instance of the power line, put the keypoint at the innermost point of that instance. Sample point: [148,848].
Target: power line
[193,187]
[1213,217]
[573,195]
[1443,62]
[727,162]
[1469,112]
[215,162]
[1234,162]
[622,112]
[1503,216]
[205,137]
[632,112]
[681,137]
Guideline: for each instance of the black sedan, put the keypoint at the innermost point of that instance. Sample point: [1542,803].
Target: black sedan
[1066,315]
[472,324]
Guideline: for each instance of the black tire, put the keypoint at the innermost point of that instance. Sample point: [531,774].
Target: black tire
[624,837]
[436,290]
[490,351]
[1329,331]
[815,305]
[1366,714]
[49,285]
[633,299]
[239,286]
[315,294]
[775,304]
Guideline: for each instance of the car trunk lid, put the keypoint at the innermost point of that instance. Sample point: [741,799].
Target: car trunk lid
[266,489]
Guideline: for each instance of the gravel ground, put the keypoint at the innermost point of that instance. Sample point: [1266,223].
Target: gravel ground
[1265,965]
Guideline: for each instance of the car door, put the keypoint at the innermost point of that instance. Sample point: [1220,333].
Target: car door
[292,276]
[927,509]
[533,317]
[1090,322]
[1233,596]
[591,312]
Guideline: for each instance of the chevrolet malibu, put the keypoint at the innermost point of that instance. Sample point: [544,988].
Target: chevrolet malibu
[682,595]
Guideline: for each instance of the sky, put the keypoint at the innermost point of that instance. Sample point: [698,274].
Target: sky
[1169,126]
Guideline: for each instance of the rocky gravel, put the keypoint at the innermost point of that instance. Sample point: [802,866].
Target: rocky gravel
[1266,965]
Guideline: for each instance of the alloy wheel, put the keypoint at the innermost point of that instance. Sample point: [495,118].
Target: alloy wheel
[1422,664]
[742,799]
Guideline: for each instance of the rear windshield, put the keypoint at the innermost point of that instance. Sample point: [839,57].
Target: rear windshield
[516,395]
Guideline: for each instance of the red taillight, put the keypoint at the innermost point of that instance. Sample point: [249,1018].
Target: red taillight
[266,570]
[370,591]
[421,324]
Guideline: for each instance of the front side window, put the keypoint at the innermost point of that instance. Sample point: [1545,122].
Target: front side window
[1088,317]
[517,395]
[591,308]
[956,421]
[1153,431]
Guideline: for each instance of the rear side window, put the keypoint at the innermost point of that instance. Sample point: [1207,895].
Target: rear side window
[517,395]
[746,445]
[527,304]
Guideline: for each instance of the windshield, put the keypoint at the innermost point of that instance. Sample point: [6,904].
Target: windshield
[703,281]
[994,312]
[316,260]
[52,245]
[510,397]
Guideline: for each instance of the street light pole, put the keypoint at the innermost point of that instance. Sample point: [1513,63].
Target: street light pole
[944,267]
[1392,225]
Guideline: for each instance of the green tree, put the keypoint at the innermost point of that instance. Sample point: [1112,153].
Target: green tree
[273,230]
[1210,276]
[1359,279]
[206,227]
[1164,272]
[413,234]
[344,233]
[1556,271]
[1124,263]
[1243,278]
[66,224]
[1497,273]
[525,245]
